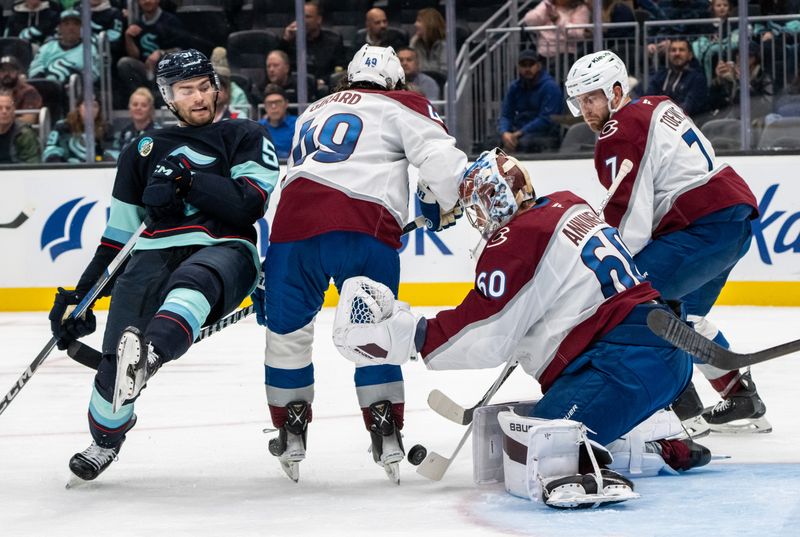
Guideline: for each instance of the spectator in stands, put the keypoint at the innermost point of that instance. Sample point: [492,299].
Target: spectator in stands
[767,31]
[325,53]
[26,97]
[277,119]
[33,20]
[107,18]
[232,100]
[155,33]
[710,49]
[724,89]
[560,13]
[618,11]
[788,103]
[67,141]
[681,82]
[377,32]
[279,73]
[526,123]
[59,58]
[142,112]
[18,141]
[683,10]
[416,80]
[428,41]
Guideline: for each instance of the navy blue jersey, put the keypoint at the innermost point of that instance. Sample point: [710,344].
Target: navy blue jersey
[235,170]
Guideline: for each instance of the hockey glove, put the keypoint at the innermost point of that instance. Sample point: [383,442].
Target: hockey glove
[169,184]
[64,328]
[435,218]
[390,341]
[259,301]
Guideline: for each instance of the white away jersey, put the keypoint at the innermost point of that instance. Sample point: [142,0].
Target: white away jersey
[547,285]
[675,178]
[350,156]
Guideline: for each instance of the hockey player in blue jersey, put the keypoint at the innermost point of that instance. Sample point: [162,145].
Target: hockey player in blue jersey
[202,185]
[343,203]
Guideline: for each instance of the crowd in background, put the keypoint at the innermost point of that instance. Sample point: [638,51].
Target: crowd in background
[697,63]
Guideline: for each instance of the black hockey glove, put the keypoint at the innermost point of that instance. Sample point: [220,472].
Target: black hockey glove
[169,184]
[65,329]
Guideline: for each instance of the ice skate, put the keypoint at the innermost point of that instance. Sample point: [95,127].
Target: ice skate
[681,455]
[581,491]
[689,409]
[137,361]
[740,412]
[387,444]
[290,445]
[90,463]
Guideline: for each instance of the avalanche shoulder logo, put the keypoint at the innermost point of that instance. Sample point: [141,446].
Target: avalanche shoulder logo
[62,230]
[145,146]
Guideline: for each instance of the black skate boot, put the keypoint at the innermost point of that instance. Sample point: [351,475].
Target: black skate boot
[689,409]
[680,455]
[290,445]
[91,462]
[137,361]
[387,442]
[741,411]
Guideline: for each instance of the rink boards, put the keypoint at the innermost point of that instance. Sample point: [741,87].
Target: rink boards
[51,220]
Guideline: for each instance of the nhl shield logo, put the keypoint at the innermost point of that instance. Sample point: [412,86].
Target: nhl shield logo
[145,146]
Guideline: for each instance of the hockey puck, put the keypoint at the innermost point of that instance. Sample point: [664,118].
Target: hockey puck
[417,454]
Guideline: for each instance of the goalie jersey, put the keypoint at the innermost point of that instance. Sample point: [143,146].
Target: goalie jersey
[348,167]
[551,282]
[675,179]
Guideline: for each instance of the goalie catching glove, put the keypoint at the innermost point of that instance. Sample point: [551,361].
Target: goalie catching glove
[435,218]
[371,327]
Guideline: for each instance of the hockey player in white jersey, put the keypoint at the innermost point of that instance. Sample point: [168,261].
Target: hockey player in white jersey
[685,217]
[556,290]
[343,204]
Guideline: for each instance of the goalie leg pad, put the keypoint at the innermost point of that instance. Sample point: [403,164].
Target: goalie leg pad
[631,456]
[487,440]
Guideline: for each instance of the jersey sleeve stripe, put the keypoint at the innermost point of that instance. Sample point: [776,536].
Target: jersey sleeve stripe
[266,179]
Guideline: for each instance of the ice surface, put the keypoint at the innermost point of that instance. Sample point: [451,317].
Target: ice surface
[197,462]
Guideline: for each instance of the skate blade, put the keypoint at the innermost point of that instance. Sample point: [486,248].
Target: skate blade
[392,470]
[75,482]
[567,499]
[291,469]
[746,426]
[696,427]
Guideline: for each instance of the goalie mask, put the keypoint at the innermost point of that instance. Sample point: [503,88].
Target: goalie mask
[493,189]
[179,66]
[377,65]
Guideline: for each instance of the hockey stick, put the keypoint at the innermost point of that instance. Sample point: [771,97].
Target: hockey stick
[16,222]
[435,465]
[86,355]
[90,357]
[672,329]
[79,310]
[624,169]
[449,409]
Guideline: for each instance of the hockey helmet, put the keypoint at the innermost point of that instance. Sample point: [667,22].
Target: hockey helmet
[599,70]
[182,65]
[378,65]
[493,189]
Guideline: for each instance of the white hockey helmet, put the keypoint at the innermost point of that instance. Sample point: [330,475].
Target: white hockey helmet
[379,65]
[493,189]
[599,70]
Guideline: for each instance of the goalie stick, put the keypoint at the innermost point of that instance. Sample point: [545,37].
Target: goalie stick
[449,409]
[79,310]
[672,329]
[435,465]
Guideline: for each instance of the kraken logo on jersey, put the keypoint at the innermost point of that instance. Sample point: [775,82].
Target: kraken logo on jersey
[198,160]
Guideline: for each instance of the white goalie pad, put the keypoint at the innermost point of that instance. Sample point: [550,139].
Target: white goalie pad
[487,440]
[371,327]
[541,463]
[631,457]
